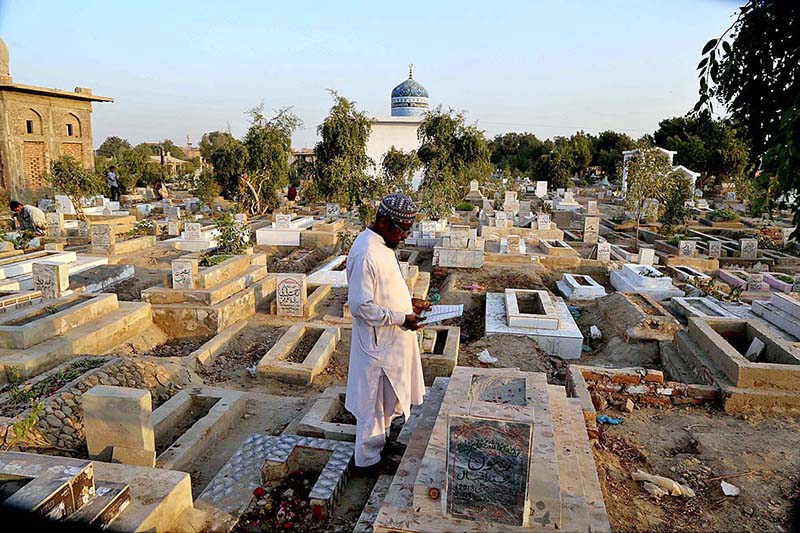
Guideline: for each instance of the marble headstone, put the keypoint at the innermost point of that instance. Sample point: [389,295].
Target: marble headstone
[715,249]
[604,251]
[191,231]
[184,273]
[748,248]
[591,229]
[290,294]
[687,248]
[51,278]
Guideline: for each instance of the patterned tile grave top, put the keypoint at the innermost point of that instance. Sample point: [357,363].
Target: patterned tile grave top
[232,488]
[487,470]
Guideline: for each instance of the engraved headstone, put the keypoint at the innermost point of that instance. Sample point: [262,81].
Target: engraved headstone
[500,219]
[591,207]
[283,221]
[184,273]
[715,249]
[488,206]
[83,228]
[541,189]
[55,224]
[748,248]
[687,248]
[459,236]
[173,213]
[487,469]
[524,208]
[102,235]
[474,186]
[51,278]
[64,205]
[591,229]
[569,197]
[331,210]
[428,229]
[601,195]
[173,227]
[513,244]
[604,251]
[754,282]
[191,231]
[290,294]
[511,196]
[646,256]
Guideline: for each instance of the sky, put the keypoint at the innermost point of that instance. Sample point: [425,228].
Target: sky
[185,68]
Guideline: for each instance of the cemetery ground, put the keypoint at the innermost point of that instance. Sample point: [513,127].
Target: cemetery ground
[241,368]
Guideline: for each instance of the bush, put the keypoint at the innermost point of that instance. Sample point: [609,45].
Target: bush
[233,238]
[465,206]
[723,215]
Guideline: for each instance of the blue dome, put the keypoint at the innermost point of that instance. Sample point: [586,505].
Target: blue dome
[410,87]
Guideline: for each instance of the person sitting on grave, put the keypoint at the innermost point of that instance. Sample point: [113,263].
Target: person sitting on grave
[385,374]
[29,218]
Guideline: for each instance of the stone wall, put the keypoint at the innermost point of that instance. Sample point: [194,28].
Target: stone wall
[61,423]
[596,386]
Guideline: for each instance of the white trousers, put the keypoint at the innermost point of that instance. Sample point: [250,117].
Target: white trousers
[371,433]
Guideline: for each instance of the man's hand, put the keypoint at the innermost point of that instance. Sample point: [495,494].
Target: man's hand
[413,322]
[420,305]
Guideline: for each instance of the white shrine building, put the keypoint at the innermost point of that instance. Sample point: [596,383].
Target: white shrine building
[669,154]
[409,102]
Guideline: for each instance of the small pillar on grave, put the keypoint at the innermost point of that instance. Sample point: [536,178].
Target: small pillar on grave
[591,229]
[51,278]
[184,273]
[290,294]
[55,224]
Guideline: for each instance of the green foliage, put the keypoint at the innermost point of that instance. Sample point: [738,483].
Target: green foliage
[134,167]
[711,147]
[19,430]
[465,206]
[342,163]
[398,169]
[212,141]
[345,242]
[207,260]
[452,154]
[22,394]
[607,152]
[232,238]
[676,192]
[207,187]
[113,147]
[230,162]
[269,144]
[142,227]
[752,70]
[367,212]
[518,154]
[22,241]
[723,215]
[70,178]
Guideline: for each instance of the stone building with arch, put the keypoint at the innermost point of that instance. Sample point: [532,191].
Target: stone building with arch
[37,126]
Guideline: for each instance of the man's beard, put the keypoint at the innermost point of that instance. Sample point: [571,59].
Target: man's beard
[392,245]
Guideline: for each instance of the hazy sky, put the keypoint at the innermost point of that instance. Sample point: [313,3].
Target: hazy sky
[185,68]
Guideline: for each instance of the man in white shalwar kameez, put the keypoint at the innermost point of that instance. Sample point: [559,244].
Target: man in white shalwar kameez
[385,374]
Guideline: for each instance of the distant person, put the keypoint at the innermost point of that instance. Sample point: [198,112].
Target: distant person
[291,194]
[160,190]
[29,218]
[112,180]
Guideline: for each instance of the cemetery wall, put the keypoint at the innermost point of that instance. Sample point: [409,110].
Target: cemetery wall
[61,423]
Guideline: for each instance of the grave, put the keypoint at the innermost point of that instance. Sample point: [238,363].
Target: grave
[265,460]
[591,229]
[644,279]
[702,307]
[779,282]
[687,273]
[300,354]
[636,317]
[715,351]
[557,248]
[547,320]
[105,241]
[16,271]
[474,195]
[462,248]
[43,335]
[195,237]
[332,272]
[782,311]
[328,418]
[222,295]
[567,203]
[285,230]
[439,351]
[489,417]
[742,280]
[511,204]
[580,287]
[193,421]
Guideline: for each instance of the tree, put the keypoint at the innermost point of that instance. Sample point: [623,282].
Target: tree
[229,162]
[559,162]
[452,153]
[518,154]
[752,68]
[134,167]
[676,191]
[69,177]
[113,147]
[398,169]
[607,152]
[711,147]
[169,147]
[649,173]
[212,141]
[342,168]
[580,146]
[269,144]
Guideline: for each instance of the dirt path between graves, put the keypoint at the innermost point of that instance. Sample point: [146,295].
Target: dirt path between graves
[699,446]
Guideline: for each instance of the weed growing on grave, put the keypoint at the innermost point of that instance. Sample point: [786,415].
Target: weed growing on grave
[233,237]
[723,215]
[143,227]
[20,429]
[21,393]
[465,206]
[22,241]
[212,260]
[51,309]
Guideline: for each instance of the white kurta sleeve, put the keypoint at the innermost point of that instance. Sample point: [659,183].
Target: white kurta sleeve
[362,287]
